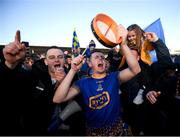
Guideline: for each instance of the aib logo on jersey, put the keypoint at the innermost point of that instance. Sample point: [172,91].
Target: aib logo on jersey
[99,101]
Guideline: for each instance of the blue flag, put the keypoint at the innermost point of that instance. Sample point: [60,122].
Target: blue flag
[75,42]
[157,28]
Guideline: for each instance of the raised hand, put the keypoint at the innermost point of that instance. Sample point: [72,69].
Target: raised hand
[121,34]
[77,62]
[151,36]
[14,52]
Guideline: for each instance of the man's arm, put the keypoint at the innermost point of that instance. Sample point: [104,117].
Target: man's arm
[161,49]
[64,92]
[133,65]
[162,53]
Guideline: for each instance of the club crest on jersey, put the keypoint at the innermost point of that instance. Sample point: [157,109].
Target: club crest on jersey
[99,101]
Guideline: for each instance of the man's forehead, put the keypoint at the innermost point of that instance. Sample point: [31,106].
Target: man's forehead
[97,53]
[53,51]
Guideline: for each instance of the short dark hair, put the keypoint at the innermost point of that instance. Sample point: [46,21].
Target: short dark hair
[95,50]
[53,47]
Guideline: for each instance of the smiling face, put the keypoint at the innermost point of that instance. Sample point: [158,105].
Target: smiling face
[98,63]
[54,59]
[131,37]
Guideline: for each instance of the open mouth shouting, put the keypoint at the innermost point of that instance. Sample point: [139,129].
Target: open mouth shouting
[58,67]
[101,66]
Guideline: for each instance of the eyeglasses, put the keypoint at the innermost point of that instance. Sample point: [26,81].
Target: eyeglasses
[53,57]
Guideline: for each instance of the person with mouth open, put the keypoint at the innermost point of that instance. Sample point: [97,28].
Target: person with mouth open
[30,92]
[100,92]
[47,74]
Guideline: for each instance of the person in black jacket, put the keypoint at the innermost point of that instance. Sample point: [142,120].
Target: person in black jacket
[29,108]
[29,93]
[133,90]
[16,85]
[47,74]
[164,101]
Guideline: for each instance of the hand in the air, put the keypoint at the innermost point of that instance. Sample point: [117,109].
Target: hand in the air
[14,52]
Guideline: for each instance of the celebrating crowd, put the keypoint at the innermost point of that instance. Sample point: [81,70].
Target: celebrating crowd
[123,94]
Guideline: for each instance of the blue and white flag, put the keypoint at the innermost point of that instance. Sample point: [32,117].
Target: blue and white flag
[75,41]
